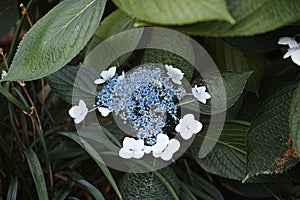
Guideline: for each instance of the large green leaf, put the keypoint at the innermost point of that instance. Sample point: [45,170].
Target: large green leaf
[294,119]
[37,174]
[150,185]
[234,84]
[74,83]
[252,17]
[176,11]
[55,39]
[264,148]
[229,58]
[270,148]
[229,156]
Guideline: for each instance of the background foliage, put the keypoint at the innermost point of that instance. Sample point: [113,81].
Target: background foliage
[256,156]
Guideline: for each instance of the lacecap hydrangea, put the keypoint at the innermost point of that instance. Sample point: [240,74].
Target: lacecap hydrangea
[147,100]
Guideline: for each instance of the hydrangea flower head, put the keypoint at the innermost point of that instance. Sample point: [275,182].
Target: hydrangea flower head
[146,99]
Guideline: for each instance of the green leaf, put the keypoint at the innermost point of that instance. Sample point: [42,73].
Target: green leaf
[4,91]
[92,189]
[63,192]
[118,46]
[37,174]
[116,22]
[74,83]
[294,119]
[269,142]
[93,153]
[229,156]
[201,187]
[66,150]
[181,45]
[13,189]
[150,185]
[252,17]
[55,39]
[233,83]
[176,12]
[229,58]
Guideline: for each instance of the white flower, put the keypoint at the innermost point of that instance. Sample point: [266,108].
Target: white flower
[175,74]
[288,41]
[132,148]
[104,111]
[106,75]
[165,148]
[147,149]
[294,49]
[200,94]
[79,112]
[188,126]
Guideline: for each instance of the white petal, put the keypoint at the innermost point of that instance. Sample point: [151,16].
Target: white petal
[196,126]
[188,117]
[79,119]
[206,95]
[74,111]
[202,99]
[178,127]
[177,72]
[138,154]
[166,156]
[112,71]
[288,41]
[124,153]
[104,111]
[99,81]
[82,105]
[201,89]
[105,75]
[173,146]
[296,57]
[186,134]
[147,149]
[289,53]
[285,40]
[195,93]
[168,67]
[162,140]
[139,145]
[128,142]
